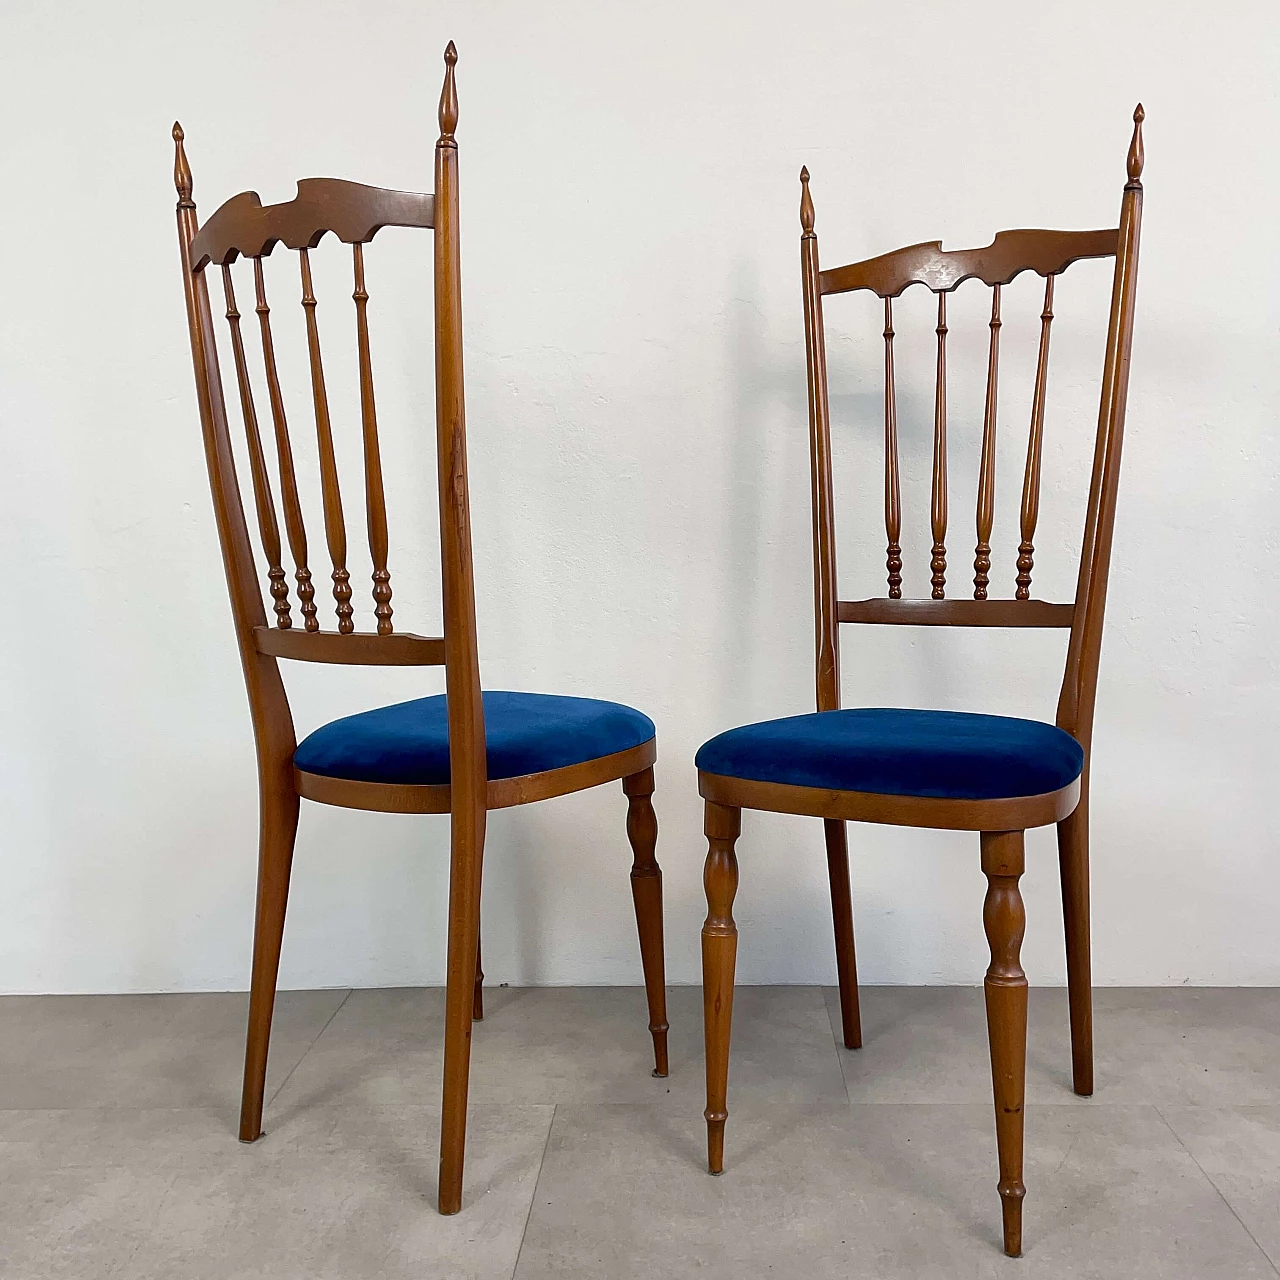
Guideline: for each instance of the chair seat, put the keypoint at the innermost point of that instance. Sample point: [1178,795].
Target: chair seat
[408,742]
[891,751]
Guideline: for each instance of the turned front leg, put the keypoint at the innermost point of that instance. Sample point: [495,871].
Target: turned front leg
[719,955]
[1005,921]
[646,893]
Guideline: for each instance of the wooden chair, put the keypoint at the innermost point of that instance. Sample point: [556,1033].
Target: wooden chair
[990,774]
[475,753]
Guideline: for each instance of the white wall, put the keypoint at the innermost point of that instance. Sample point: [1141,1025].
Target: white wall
[639,462]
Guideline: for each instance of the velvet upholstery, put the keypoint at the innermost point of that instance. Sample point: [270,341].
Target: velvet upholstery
[524,733]
[891,751]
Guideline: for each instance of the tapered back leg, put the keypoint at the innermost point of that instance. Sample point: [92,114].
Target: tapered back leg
[467,840]
[842,911]
[1073,863]
[279,828]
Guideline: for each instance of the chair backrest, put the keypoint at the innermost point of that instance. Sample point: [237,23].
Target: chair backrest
[1048,253]
[244,227]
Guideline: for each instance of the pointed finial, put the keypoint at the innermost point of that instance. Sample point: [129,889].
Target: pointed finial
[1136,157]
[181,170]
[449,96]
[806,203]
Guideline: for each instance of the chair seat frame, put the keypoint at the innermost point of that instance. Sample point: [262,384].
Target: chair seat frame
[1015,813]
[502,793]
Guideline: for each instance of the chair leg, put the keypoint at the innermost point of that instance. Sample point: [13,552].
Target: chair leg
[646,893]
[1073,862]
[466,856]
[1005,921]
[477,1000]
[278,828]
[719,954]
[842,910]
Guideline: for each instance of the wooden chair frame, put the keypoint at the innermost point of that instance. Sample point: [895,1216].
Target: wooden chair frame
[1001,822]
[354,213]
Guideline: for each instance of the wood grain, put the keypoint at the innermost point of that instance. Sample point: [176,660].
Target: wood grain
[646,894]
[273,731]
[719,957]
[898,811]
[835,833]
[268,529]
[892,484]
[987,467]
[1005,920]
[351,211]
[957,613]
[938,493]
[295,529]
[1008,255]
[375,501]
[1073,867]
[827,638]
[335,529]
[352,649]
[467,763]
[501,793]
[1030,511]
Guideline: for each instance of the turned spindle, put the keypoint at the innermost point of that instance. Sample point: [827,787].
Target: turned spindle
[938,495]
[987,468]
[334,526]
[263,500]
[295,530]
[1035,445]
[892,488]
[375,500]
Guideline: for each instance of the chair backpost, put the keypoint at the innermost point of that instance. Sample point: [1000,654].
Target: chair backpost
[468,773]
[826,601]
[824,542]
[273,729]
[1080,682]
[1080,679]
[272,721]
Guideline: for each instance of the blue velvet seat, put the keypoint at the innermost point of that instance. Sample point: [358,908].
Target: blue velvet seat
[408,742]
[891,751]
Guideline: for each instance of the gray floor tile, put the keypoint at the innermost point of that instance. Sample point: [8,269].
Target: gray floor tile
[33,1142]
[76,1222]
[347,1194]
[1239,1150]
[1164,1046]
[146,1051]
[118,1156]
[81,1190]
[875,1190]
[562,1044]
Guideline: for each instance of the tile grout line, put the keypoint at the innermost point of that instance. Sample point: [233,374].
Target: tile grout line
[1230,1207]
[311,1046]
[837,1042]
[533,1199]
